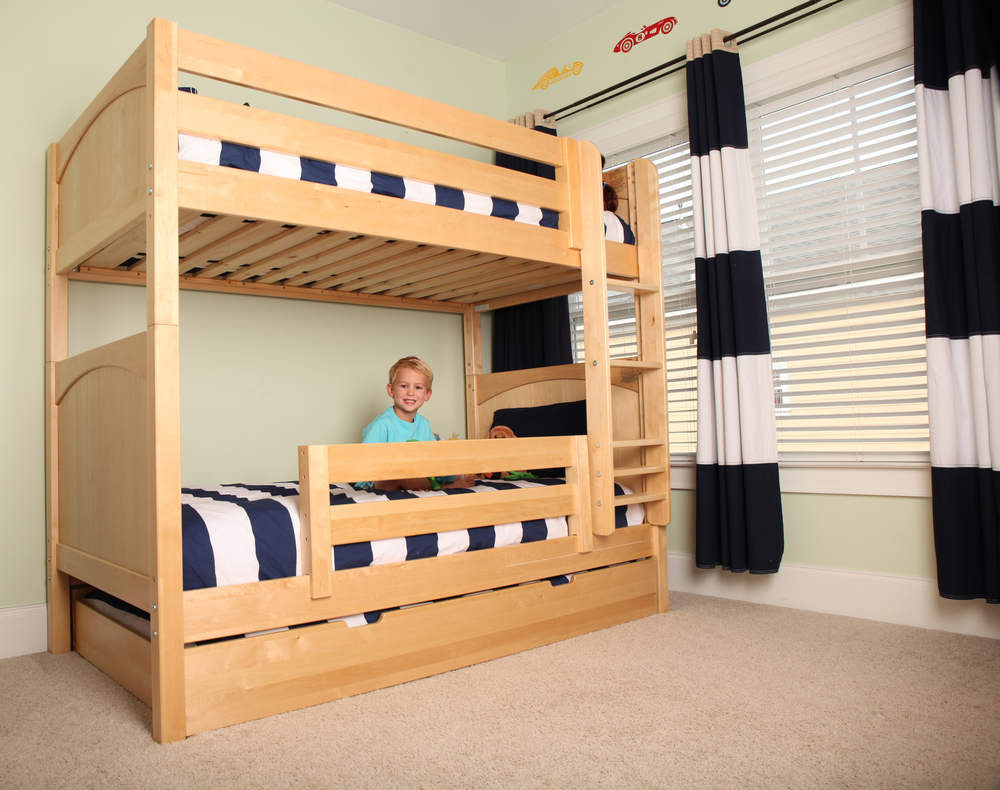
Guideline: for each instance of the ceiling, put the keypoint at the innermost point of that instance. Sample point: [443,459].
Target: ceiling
[497,29]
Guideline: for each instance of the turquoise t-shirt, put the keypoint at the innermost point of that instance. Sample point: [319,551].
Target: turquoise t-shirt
[387,427]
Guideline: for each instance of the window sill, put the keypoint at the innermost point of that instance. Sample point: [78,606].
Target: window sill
[881,478]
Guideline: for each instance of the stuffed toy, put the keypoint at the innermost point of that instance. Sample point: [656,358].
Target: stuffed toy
[503,432]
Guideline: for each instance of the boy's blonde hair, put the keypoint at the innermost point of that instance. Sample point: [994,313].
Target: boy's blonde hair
[413,363]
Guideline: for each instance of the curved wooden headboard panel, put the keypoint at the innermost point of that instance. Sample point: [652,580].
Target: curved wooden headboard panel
[559,384]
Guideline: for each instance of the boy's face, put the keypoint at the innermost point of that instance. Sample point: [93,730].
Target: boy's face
[409,392]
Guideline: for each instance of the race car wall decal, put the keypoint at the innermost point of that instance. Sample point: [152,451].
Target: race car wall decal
[554,75]
[631,39]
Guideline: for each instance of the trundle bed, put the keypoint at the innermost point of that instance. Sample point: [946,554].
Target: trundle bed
[274,208]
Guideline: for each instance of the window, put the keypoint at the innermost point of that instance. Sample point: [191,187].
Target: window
[839,212]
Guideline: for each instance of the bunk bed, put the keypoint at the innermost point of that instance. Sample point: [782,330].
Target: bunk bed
[123,206]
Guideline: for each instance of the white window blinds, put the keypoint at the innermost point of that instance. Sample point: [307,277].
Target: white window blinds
[838,203]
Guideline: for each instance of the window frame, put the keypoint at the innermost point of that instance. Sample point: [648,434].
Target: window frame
[879,36]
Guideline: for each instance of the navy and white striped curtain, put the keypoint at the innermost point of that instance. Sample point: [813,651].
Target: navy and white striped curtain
[739,521]
[956,46]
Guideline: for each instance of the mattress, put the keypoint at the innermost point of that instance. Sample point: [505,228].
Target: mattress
[217,152]
[191,148]
[235,534]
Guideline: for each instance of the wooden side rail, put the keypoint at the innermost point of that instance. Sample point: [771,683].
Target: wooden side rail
[206,117]
[220,60]
[247,608]
[323,526]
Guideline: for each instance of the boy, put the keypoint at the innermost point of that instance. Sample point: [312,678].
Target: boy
[409,386]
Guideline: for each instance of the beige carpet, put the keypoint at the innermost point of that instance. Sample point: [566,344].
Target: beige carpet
[716,694]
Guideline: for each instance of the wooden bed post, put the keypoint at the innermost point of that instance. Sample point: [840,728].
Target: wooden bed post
[162,343]
[56,349]
[595,338]
[473,325]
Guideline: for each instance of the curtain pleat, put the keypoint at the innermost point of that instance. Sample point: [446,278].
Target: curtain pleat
[739,522]
[537,334]
[956,46]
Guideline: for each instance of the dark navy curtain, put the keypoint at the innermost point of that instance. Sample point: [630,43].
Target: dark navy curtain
[739,522]
[956,45]
[534,335]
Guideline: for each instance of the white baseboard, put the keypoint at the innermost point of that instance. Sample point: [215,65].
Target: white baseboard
[872,596]
[23,630]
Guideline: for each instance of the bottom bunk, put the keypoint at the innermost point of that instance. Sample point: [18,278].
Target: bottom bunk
[257,648]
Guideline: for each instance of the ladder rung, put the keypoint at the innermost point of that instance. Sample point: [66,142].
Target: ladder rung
[629,471]
[631,285]
[631,499]
[638,443]
[636,364]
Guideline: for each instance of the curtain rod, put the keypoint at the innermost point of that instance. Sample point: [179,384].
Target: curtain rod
[681,60]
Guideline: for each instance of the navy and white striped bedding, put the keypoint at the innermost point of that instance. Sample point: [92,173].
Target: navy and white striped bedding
[235,534]
[241,157]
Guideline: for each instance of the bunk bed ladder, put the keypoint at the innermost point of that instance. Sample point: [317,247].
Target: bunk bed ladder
[641,462]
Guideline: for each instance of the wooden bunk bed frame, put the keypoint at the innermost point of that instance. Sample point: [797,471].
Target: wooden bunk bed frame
[118,197]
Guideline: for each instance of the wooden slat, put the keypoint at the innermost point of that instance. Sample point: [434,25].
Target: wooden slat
[234,123]
[500,273]
[248,234]
[322,261]
[219,60]
[248,608]
[313,245]
[380,249]
[223,190]
[235,287]
[208,233]
[632,499]
[285,238]
[636,364]
[370,521]
[631,286]
[421,459]
[361,277]
[629,471]
[314,498]
[437,269]
[113,579]
[640,443]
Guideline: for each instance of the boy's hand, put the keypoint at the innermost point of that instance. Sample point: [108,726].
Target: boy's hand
[463,481]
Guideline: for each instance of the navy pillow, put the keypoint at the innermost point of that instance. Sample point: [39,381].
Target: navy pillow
[556,419]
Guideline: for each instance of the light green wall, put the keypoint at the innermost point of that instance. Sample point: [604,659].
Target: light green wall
[594,41]
[58,55]
[891,535]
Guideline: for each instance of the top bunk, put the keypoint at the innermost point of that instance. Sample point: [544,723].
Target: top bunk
[294,223]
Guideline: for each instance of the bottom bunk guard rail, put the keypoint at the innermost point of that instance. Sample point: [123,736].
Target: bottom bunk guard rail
[323,526]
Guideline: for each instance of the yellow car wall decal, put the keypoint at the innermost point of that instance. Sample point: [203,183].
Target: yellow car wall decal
[554,75]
